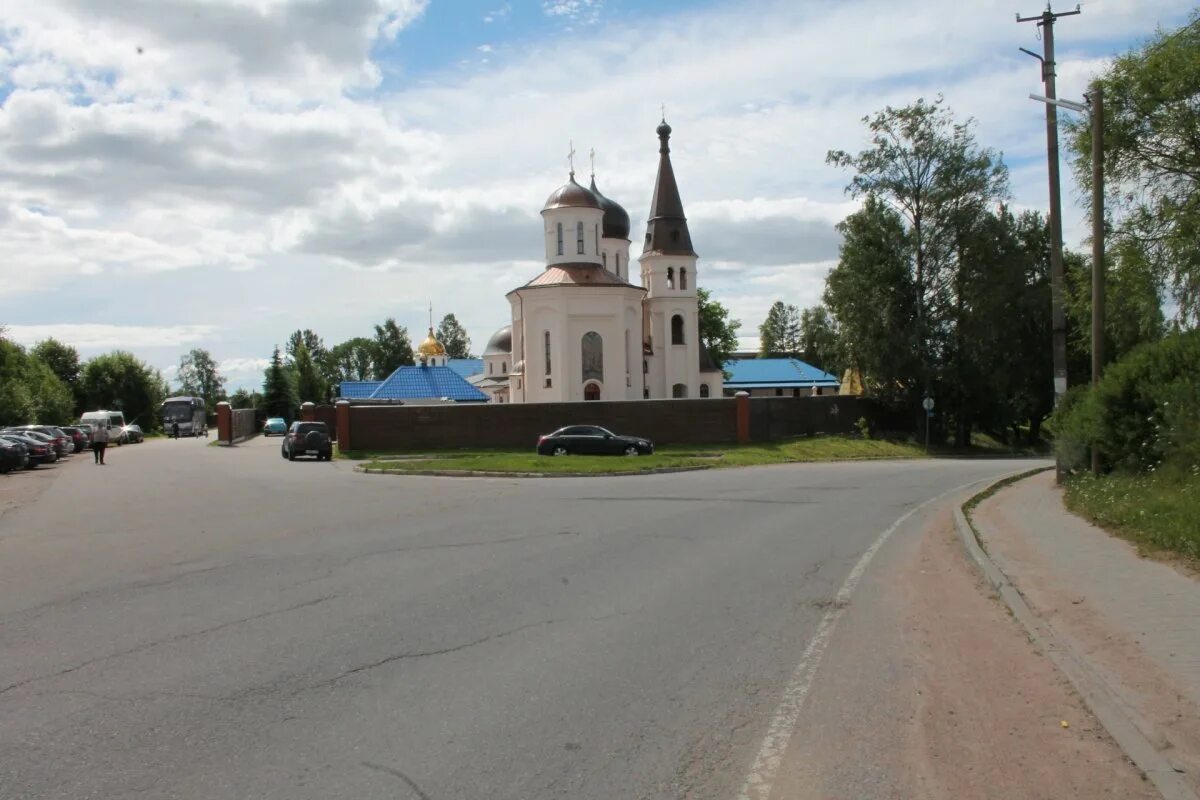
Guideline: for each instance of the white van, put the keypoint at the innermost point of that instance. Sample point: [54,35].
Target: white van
[113,421]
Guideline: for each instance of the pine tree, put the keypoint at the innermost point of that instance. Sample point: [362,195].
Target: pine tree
[310,386]
[454,338]
[279,395]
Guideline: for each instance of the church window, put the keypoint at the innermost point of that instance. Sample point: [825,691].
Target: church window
[704,390]
[503,367]
[592,352]
[627,356]
[490,365]
[546,339]
[597,238]
[560,239]
[579,237]
[677,329]
[670,277]
[645,367]
[679,391]
[617,259]
[604,259]
[683,278]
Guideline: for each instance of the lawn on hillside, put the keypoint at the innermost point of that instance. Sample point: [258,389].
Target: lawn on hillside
[1159,511]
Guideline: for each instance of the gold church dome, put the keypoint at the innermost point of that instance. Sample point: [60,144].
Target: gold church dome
[431,346]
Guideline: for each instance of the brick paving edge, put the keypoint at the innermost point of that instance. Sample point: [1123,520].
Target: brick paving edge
[1132,734]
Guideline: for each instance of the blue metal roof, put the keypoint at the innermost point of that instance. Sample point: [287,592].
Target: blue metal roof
[358,389]
[412,383]
[466,367]
[769,372]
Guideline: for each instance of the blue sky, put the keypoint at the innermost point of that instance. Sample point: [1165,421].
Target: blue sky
[173,173]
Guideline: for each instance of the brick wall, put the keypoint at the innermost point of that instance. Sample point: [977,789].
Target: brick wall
[775,418]
[518,425]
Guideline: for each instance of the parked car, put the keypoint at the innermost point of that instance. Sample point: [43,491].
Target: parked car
[592,440]
[61,443]
[40,450]
[80,436]
[275,425]
[13,455]
[133,434]
[307,439]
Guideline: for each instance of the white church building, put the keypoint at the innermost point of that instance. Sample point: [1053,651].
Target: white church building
[583,329]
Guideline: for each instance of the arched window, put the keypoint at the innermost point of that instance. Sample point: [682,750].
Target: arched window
[592,351]
[597,239]
[546,339]
[683,278]
[503,367]
[679,391]
[704,390]
[591,391]
[560,239]
[579,237]
[604,259]
[677,329]
[490,365]
[670,277]
[617,258]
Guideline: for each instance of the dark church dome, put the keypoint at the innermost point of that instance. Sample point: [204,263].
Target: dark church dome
[500,343]
[616,218]
[571,195]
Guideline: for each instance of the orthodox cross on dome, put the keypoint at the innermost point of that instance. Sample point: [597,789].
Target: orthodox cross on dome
[663,107]
[431,316]
[571,158]
[592,158]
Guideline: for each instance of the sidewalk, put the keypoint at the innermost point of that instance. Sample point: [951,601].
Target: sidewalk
[1135,621]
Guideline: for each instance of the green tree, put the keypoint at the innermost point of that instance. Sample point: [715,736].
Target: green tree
[353,360]
[1152,156]
[118,381]
[454,338]
[199,377]
[279,393]
[819,339]
[310,385]
[872,298]
[16,399]
[779,333]
[53,401]
[63,360]
[718,332]
[244,398]
[309,340]
[392,348]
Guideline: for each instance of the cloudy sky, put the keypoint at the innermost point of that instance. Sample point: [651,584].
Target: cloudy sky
[218,173]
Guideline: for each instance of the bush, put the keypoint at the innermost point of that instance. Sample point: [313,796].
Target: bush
[1146,409]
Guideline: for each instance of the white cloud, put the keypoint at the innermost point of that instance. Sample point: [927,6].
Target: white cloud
[586,11]
[105,337]
[501,13]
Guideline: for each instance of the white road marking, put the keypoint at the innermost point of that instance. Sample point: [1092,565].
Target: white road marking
[762,773]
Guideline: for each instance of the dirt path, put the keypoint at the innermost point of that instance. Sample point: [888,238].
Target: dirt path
[931,690]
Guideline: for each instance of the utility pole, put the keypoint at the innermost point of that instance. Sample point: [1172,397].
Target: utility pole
[1045,21]
[1098,269]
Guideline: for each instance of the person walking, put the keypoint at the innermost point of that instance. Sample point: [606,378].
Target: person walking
[99,442]
[175,429]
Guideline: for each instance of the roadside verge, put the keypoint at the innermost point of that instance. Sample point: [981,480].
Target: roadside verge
[1115,711]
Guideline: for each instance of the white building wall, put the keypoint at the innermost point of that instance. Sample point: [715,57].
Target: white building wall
[615,256]
[570,217]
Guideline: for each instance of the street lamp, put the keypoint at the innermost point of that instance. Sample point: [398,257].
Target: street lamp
[1094,108]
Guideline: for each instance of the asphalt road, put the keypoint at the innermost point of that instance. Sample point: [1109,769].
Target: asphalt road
[200,622]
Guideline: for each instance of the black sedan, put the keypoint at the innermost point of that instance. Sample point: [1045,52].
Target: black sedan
[39,451]
[592,440]
[13,455]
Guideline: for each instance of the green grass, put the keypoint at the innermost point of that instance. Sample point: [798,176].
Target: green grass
[823,448]
[1158,512]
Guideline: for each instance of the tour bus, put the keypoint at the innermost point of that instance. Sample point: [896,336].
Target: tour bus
[189,412]
[113,421]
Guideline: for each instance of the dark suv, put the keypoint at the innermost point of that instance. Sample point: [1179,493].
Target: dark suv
[307,439]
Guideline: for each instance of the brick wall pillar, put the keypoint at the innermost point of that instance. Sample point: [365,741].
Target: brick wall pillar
[308,412]
[743,417]
[342,412]
[224,422]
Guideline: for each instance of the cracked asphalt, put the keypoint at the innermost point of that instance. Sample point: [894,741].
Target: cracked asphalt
[200,622]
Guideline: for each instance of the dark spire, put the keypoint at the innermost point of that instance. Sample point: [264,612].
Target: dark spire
[667,230]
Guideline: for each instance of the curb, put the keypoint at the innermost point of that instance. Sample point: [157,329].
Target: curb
[462,473]
[1135,736]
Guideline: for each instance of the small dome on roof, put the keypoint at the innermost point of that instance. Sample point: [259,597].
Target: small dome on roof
[431,346]
[616,218]
[500,343]
[518,368]
[571,195]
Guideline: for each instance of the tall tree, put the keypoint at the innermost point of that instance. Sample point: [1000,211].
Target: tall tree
[279,393]
[392,348]
[306,338]
[930,170]
[872,297]
[819,339]
[1152,156]
[353,360]
[119,381]
[717,331]
[199,377]
[244,398]
[310,386]
[63,361]
[779,333]
[30,391]
[454,338]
